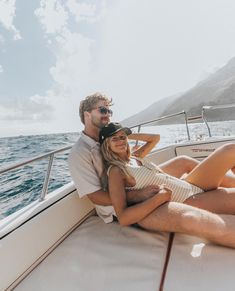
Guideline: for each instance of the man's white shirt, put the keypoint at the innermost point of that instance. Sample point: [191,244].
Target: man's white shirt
[86,169]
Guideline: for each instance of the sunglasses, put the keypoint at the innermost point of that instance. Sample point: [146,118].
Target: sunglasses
[104,110]
[117,138]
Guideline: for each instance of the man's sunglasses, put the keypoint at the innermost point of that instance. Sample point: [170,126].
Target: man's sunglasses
[104,110]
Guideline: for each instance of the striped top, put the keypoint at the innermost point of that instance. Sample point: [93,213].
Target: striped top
[149,174]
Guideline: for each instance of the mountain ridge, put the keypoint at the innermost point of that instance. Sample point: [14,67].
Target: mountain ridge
[217,89]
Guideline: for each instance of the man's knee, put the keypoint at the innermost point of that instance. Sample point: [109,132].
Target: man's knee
[202,223]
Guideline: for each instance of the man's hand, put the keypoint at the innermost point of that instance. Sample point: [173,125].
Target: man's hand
[136,196]
[164,193]
[163,196]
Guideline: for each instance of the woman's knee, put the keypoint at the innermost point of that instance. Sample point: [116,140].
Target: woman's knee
[228,148]
[187,162]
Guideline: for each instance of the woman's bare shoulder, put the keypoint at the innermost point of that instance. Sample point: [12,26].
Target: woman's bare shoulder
[115,170]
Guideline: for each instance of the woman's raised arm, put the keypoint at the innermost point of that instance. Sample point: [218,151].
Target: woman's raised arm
[150,141]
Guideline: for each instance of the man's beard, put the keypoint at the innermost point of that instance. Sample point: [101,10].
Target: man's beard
[100,122]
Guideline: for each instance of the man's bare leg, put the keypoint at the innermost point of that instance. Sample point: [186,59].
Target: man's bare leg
[182,218]
[183,164]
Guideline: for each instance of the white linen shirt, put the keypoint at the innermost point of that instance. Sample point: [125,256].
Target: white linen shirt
[86,168]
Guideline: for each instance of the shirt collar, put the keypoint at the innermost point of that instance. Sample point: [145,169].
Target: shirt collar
[90,141]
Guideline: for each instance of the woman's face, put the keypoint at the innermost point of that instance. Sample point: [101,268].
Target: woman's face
[118,142]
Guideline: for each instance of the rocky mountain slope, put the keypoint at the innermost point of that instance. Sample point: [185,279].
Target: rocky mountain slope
[218,88]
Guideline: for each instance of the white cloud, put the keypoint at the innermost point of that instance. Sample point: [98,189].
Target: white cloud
[52,15]
[7,14]
[35,108]
[1,69]
[82,11]
[2,40]
[73,59]
[72,68]
[139,52]
[88,12]
[72,50]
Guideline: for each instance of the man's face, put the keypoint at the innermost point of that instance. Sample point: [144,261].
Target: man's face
[100,115]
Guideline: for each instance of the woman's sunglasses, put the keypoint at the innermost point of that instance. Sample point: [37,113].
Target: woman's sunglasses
[104,110]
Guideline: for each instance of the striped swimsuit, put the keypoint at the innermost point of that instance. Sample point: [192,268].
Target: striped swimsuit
[149,174]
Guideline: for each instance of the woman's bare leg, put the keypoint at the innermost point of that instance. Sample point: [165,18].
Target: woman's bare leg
[220,201]
[183,164]
[209,174]
[182,218]
[179,165]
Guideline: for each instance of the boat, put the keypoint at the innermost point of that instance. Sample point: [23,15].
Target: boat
[59,243]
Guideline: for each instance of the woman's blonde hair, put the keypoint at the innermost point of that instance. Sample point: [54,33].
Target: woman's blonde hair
[111,158]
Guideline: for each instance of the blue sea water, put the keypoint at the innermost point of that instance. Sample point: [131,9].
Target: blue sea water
[21,186]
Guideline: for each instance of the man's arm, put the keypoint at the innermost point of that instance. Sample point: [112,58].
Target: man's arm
[137,196]
[100,198]
[88,183]
[134,196]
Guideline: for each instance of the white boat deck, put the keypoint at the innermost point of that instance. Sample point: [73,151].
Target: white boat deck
[99,256]
[195,264]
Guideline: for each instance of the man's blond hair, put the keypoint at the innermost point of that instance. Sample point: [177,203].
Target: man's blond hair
[90,102]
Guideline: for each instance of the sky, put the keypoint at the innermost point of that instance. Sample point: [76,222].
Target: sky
[53,53]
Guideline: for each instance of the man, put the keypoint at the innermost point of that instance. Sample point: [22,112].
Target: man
[85,162]
[86,167]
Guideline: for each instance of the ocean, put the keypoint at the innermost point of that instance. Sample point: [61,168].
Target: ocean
[22,186]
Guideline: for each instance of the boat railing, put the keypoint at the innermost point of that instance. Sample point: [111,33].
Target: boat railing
[163,118]
[214,107]
[189,119]
[50,156]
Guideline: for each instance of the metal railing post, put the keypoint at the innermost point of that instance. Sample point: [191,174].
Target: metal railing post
[139,127]
[47,177]
[186,123]
[214,107]
[205,121]
[50,162]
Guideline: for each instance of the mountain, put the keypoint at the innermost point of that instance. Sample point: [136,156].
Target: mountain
[152,112]
[218,88]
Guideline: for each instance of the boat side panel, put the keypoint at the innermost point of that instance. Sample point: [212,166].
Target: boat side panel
[28,243]
[200,150]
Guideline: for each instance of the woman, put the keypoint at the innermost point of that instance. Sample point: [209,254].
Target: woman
[128,171]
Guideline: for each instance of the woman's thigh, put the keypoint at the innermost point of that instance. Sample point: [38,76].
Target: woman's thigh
[178,166]
[220,201]
[209,174]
